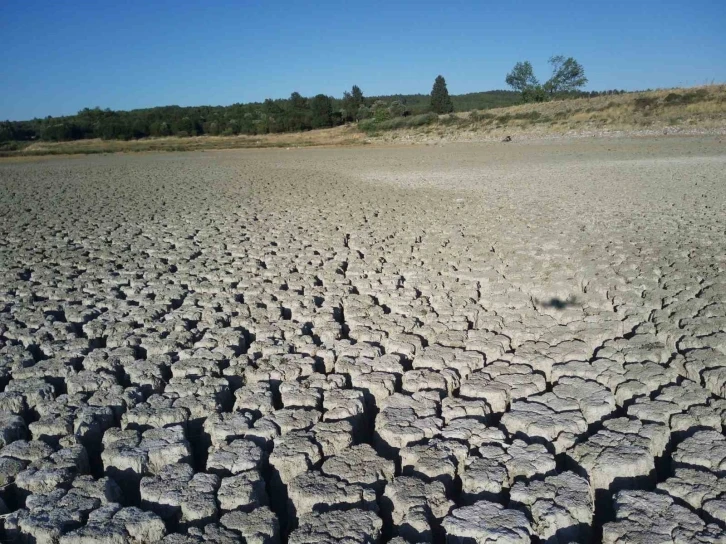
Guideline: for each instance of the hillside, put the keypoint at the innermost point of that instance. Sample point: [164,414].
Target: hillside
[689,110]
[671,111]
[420,103]
[294,114]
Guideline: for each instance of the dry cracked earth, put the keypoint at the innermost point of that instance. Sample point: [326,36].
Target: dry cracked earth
[468,344]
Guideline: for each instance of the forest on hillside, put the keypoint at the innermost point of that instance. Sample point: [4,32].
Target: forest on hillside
[296,113]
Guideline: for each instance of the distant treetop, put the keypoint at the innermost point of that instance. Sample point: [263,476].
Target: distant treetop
[568,76]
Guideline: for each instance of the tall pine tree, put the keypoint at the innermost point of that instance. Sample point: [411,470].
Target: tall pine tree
[357,95]
[440,99]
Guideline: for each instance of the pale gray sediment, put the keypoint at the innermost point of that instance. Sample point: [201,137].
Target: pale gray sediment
[462,343]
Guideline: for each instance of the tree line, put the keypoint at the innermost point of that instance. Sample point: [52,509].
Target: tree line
[296,113]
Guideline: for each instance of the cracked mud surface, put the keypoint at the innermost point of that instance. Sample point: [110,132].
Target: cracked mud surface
[470,343]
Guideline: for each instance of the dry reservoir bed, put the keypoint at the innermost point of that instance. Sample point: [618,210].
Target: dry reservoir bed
[469,343]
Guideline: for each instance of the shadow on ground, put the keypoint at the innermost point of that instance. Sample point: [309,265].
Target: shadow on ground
[557,303]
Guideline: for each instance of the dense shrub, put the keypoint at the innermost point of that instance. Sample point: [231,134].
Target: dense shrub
[364,112]
[380,111]
[644,102]
[535,94]
[421,120]
[396,109]
[372,125]
[60,132]
[368,125]
[673,99]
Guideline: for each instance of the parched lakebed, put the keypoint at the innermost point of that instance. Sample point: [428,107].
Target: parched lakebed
[465,343]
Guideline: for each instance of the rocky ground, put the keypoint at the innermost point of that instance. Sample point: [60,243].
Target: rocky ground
[468,343]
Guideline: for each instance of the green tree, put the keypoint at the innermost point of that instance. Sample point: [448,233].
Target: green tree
[298,117]
[247,125]
[7,132]
[349,107]
[232,127]
[321,111]
[160,128]
[522,77]
[186,126]
[440,99]
[357,94]
[568,75]
[138,129]
[60,132]
[272,116]
[212,127]
[352,102]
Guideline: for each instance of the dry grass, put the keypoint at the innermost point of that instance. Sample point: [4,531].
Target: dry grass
[701,108]
[339,136]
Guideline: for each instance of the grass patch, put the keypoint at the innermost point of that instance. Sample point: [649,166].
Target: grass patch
[371,126]
[451,119]
[481,116]
[504,119]
[343,135]
[531,116]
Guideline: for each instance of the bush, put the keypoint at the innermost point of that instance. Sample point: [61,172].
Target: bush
[450,119]
[370,126]
[396,109]
[672,98]
[364,112]
[10,146]
[685,98]
[421,120]
[61,132]
[380,111]
[535,94]
[644,102]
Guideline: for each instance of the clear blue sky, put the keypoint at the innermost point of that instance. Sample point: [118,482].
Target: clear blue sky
[61,56]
